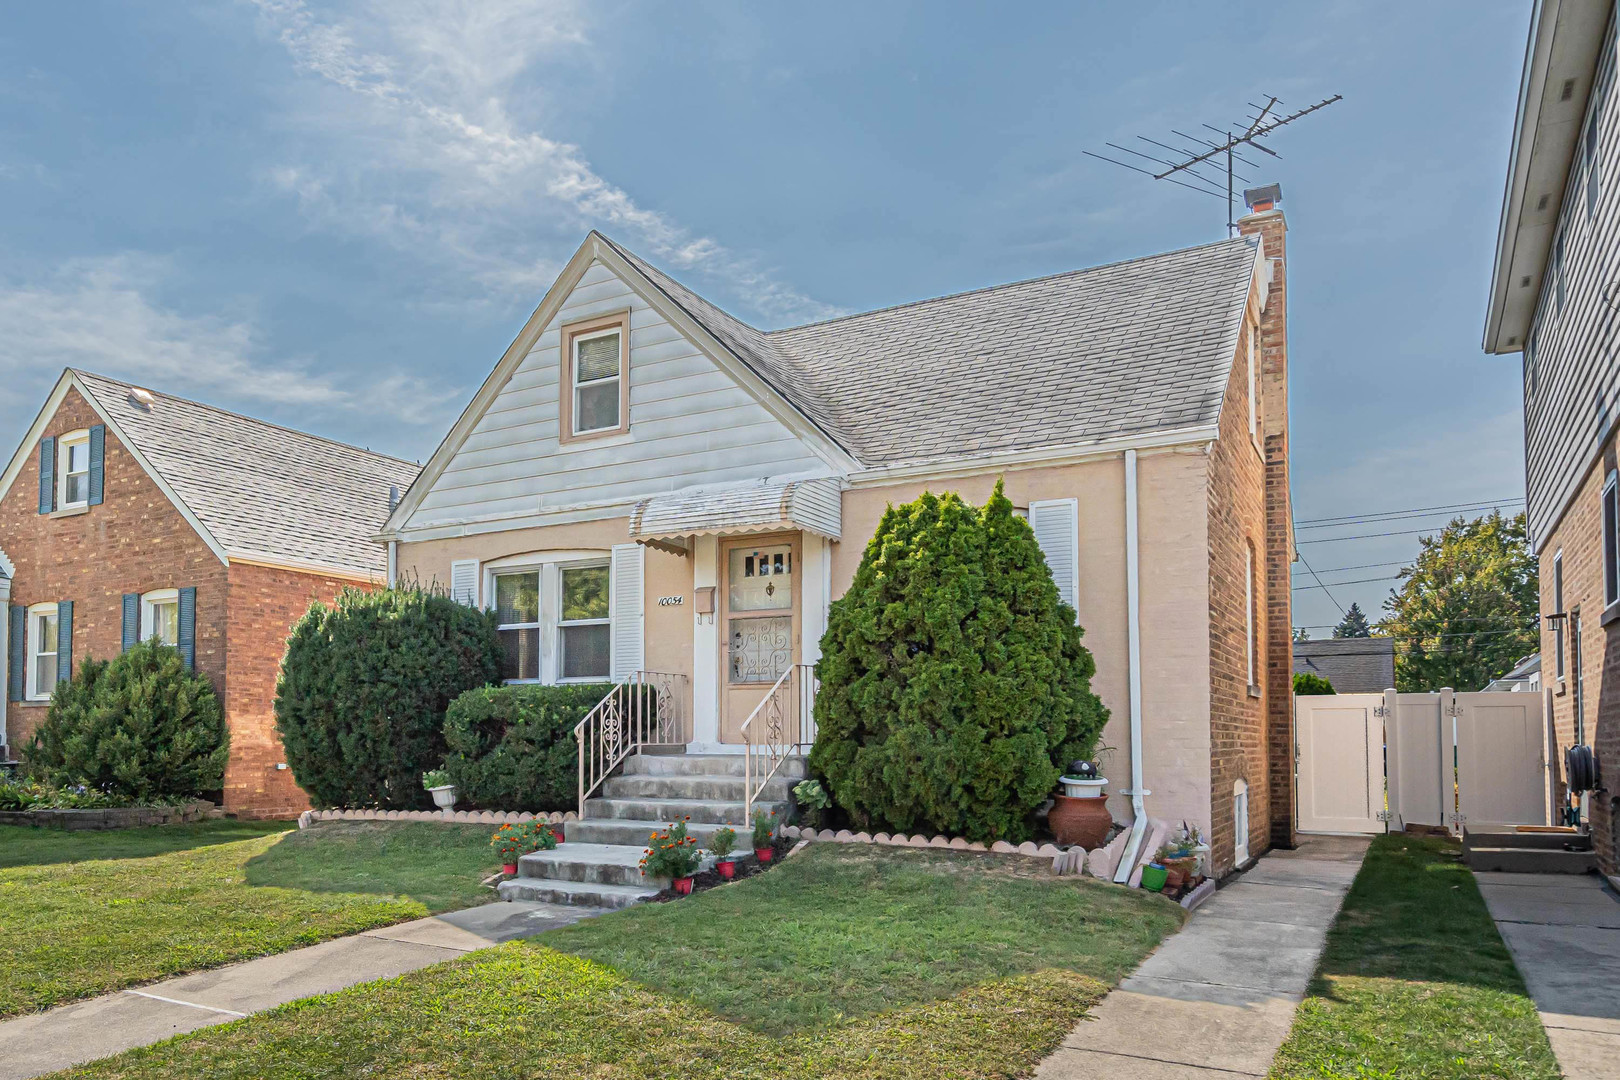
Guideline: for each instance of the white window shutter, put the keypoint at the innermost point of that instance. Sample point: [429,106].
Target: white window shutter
[1057,529]
[464,582]
[628,610]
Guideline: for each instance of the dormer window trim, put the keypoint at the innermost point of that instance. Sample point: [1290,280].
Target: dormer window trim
[576,383]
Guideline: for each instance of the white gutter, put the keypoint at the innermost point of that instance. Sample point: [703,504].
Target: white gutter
[1133,622]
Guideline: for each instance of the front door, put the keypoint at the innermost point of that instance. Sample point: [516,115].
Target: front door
[759,613]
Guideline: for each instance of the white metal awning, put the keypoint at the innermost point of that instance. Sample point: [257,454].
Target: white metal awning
[755,507]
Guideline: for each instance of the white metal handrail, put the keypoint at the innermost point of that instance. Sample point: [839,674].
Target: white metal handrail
[647,709]
[782,724]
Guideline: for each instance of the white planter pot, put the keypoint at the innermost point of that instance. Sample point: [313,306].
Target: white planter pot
[444,797]
[1076,787]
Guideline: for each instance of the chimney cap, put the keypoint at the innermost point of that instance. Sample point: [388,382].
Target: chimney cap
[1262,198]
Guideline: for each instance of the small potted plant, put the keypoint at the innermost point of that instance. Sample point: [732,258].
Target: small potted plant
[508,842]
[1080,815]
[722,844]
[764,832]
[540,836]
[438,784]
[1153,877]
[673,855]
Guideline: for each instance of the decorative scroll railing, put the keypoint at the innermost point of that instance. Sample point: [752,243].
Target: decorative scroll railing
[646,709]
[782,724]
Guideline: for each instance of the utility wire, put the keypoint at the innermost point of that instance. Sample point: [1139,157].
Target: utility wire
[1366,566]
[1388,519]
[1409,510]
[1357,581]
[1325,589]
[1363,536]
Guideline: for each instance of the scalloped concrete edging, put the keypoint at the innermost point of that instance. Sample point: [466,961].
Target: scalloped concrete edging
[445,817]
[1064,860]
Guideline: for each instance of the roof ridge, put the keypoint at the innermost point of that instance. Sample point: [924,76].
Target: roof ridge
[1007,285]
[80,372]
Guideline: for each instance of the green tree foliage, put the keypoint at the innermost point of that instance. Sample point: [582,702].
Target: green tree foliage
[138,727]
[1307,684]
[1466,611]
[1301,634]
[513,747]
[1354,624]
[360,704]
[953,682]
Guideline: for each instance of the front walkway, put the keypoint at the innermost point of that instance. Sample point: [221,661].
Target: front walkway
[73,1034]
[1217,999]
[1564,933]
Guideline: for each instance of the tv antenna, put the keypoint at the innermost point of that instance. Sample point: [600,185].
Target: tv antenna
[1183,168]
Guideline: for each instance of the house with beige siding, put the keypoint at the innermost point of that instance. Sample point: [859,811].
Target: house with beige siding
[647,489]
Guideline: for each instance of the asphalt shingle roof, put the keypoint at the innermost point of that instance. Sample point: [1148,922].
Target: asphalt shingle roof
[1353,665]
[261,489]
[1128,348]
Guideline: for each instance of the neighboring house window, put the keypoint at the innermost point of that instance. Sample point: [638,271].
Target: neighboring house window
[160,616]
[1254,381]
[517,618]
[42,645]
[1240,823]
[1611,540]
[596,377]
[73,469]
[1248,611]
[584,635]
[1558,609]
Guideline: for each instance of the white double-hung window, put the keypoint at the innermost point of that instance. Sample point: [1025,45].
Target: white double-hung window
[42,651]
[73,466]
[554,621]
[160,616]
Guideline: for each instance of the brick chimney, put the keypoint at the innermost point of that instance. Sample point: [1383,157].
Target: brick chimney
[1265,221]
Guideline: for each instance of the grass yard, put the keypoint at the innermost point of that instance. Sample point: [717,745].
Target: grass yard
[845,961]
[1415,981]
[84,913]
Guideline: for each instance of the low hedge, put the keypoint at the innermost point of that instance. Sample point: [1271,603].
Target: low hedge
[512,747]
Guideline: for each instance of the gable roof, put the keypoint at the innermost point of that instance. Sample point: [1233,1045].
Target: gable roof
[1361,665]
[256,491]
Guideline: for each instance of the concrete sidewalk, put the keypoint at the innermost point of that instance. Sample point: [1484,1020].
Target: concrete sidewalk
[1564,933]
[1217,999]
[72,1034]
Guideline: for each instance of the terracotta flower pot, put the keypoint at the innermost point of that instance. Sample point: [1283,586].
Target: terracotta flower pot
[557,831]
[1174,878]
[764,854]
[1080,821]
[728,869]
[683,886]
[509,869]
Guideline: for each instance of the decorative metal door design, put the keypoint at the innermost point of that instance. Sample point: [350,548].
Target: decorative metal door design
[760,595]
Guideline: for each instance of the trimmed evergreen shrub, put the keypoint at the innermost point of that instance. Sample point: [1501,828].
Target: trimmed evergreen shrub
[953,683]
[513,748]
[1307,684]
[361,699]
[139,727]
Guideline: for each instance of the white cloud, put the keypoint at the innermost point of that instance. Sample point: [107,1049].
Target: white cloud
[421,149]
[99,314]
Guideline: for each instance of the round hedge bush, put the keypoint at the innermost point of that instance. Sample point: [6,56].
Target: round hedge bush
[363,690]
[953,683]
[1307,684]
[139,727]
[513,747]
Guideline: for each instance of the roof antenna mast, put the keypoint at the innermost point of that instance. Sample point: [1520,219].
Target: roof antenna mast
[1184,165]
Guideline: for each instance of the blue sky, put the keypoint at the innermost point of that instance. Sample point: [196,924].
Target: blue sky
[337,215]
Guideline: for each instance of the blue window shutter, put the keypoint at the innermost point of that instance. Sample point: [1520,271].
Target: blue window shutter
[98,472]
[47,475]
[187,635]
[17,650]
[132,620]
[64,641]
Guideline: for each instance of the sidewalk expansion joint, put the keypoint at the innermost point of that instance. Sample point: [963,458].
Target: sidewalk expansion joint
[1161,1061]
[187,1004]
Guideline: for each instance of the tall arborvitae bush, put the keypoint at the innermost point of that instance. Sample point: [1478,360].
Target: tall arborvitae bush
[364,685]
[139,727]
[954,687]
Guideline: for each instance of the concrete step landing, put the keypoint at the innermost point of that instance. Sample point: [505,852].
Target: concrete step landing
[575,893]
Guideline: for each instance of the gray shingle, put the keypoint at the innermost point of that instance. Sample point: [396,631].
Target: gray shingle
[1353,665]
[260,488]
[1128,348]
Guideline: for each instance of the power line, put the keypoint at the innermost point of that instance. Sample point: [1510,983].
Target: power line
[1358,581]
[1325,590]
[1363,536]
[1477,619]
[1409,510]
[1367,566]
[1385,519]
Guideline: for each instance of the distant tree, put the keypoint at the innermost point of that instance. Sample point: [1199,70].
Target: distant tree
[1301,634]
[1466,611]
[1307,683]
[1354,624]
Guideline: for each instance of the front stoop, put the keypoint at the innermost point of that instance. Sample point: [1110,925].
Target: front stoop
[1509,851]
[599,863]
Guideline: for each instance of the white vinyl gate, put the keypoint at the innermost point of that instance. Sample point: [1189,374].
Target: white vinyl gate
[1368,762]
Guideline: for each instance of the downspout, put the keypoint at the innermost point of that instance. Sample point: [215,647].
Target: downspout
[1133,623]
[393,563]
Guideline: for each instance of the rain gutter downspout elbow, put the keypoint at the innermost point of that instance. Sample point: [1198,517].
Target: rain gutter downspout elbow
[1133,621]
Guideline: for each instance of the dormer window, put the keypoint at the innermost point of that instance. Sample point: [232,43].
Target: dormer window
[595,398]
[73,465]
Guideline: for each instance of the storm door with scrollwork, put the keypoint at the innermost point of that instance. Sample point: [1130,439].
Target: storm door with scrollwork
[761,604]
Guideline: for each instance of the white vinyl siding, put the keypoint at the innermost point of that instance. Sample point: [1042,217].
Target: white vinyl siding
[690,424]
[1056,523]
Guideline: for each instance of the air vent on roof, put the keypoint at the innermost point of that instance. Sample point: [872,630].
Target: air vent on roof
[141,399]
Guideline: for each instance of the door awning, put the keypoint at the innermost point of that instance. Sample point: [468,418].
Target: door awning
[755,507]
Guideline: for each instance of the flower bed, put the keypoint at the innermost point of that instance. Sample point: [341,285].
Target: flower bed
[114,817]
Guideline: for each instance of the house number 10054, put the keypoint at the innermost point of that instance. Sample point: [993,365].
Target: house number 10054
[671,601]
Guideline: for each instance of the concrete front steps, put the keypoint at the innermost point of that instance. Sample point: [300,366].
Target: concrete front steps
[1510,851]
[599,863]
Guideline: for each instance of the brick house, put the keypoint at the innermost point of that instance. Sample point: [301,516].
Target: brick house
[127,514]
[1552,301]
[648,488]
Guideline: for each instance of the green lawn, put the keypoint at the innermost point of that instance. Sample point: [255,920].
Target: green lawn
[848,962]
[1415,981]
[83,913]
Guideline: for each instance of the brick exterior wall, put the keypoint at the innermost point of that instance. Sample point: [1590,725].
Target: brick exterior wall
[137,541]
[1579,535]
